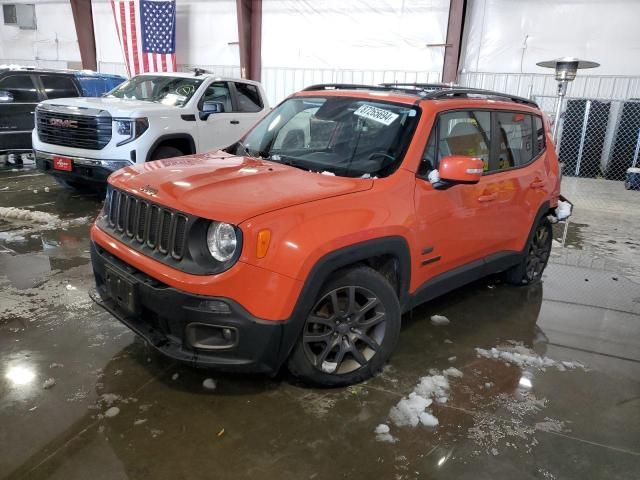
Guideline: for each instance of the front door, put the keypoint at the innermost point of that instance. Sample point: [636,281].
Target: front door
[19,97]
[456,226]
[223,128]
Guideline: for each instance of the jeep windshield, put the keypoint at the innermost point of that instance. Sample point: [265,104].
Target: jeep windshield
[174,91]
[351,137]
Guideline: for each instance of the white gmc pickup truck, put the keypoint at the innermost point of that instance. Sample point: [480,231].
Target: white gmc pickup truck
[80,141]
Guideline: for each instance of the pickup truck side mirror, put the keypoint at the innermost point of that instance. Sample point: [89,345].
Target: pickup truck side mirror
[209,107]
[6,97]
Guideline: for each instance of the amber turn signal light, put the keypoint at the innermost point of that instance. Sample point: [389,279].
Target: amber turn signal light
[264,237]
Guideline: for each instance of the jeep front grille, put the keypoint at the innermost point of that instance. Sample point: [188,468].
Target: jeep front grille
[59,126]
[152,227]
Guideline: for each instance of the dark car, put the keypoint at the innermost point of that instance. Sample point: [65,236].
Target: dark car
[22,88]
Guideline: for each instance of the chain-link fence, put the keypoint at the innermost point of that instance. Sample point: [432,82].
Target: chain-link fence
[597,138]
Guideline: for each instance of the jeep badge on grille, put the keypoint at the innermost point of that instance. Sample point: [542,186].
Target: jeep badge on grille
[149,190]
[61,122]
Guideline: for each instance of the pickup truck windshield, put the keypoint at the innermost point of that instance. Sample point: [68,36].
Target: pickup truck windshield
[173,91]
[351,137]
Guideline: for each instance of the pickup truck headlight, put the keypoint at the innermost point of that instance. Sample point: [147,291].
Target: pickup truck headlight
[222,241]
[130,128]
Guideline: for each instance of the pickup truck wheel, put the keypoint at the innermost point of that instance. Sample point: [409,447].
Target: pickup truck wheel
[530,269]
[165,152]
[350,332]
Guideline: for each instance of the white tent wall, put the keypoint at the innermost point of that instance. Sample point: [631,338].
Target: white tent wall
[52,44]
[359,41]
[504,39]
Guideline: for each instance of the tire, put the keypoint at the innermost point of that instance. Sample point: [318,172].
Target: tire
[538,250]
[165,152]
[350,332]
[627,185]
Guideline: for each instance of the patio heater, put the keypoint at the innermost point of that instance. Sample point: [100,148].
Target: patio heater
[566,69]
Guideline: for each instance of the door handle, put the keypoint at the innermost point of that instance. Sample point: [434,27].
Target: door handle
[234,122]
[537,183]
[490,197]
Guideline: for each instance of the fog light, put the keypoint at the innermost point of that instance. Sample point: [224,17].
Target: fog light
[211,337]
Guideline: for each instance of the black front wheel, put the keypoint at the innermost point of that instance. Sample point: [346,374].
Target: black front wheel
[538,250]
[350,332]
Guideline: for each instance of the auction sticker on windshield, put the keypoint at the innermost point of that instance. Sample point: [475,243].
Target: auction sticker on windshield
[376,114]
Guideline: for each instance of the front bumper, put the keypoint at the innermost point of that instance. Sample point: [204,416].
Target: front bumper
[183,326]
[86,170]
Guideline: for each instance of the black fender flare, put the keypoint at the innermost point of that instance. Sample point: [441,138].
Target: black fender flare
[395,246]
[172,136]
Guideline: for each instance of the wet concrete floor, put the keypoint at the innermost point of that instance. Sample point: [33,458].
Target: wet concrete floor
[500,420]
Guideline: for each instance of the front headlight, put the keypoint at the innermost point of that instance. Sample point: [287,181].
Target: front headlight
[222,241]
[130,128]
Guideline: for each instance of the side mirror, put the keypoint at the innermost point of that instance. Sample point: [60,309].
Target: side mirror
[209,107]
[6,97]
[460,169]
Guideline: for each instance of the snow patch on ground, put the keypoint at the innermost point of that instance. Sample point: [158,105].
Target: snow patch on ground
[209,384]
[518,354]
[439,320]
[48,383]
[383,435]
[413,410]
[112,412]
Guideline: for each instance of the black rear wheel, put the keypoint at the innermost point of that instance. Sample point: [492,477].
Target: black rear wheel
[350,332]
[530,269]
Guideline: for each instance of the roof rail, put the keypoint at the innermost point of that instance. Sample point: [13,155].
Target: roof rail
[343,86]
[430,91]
[449,92]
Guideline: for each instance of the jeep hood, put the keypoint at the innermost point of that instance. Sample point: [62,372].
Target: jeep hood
[117,107]
[232,189]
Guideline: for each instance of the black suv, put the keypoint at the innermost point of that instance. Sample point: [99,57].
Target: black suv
[22,88]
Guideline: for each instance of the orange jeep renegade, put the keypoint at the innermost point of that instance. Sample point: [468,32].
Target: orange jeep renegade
[344,207]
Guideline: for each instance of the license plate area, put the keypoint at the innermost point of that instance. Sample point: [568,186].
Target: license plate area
[122,291]
[62,163]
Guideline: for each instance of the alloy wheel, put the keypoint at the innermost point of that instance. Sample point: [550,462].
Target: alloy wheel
[344,330]
[539,252]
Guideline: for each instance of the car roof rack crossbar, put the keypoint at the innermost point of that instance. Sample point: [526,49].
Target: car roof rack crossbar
[429,91]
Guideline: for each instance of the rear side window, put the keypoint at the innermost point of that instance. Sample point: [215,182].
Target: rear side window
[515,140]
[465,133]
[59,86]
[539,132]
[21,87]
[248,98]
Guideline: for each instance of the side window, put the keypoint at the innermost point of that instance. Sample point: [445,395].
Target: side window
[466,133]
[248,98]
[539,129]
[21,87]
[219,92]
[58,86]
[515,140]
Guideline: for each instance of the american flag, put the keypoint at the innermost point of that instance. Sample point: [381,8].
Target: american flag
[147,32]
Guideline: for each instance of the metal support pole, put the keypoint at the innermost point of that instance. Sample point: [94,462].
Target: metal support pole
[562,90]
[583,135]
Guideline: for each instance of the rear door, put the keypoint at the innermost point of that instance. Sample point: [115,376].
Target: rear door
[17,110]
[249,105]
[517,174]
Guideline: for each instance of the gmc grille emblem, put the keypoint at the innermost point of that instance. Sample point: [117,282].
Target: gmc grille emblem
[60,122]
[149,190]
